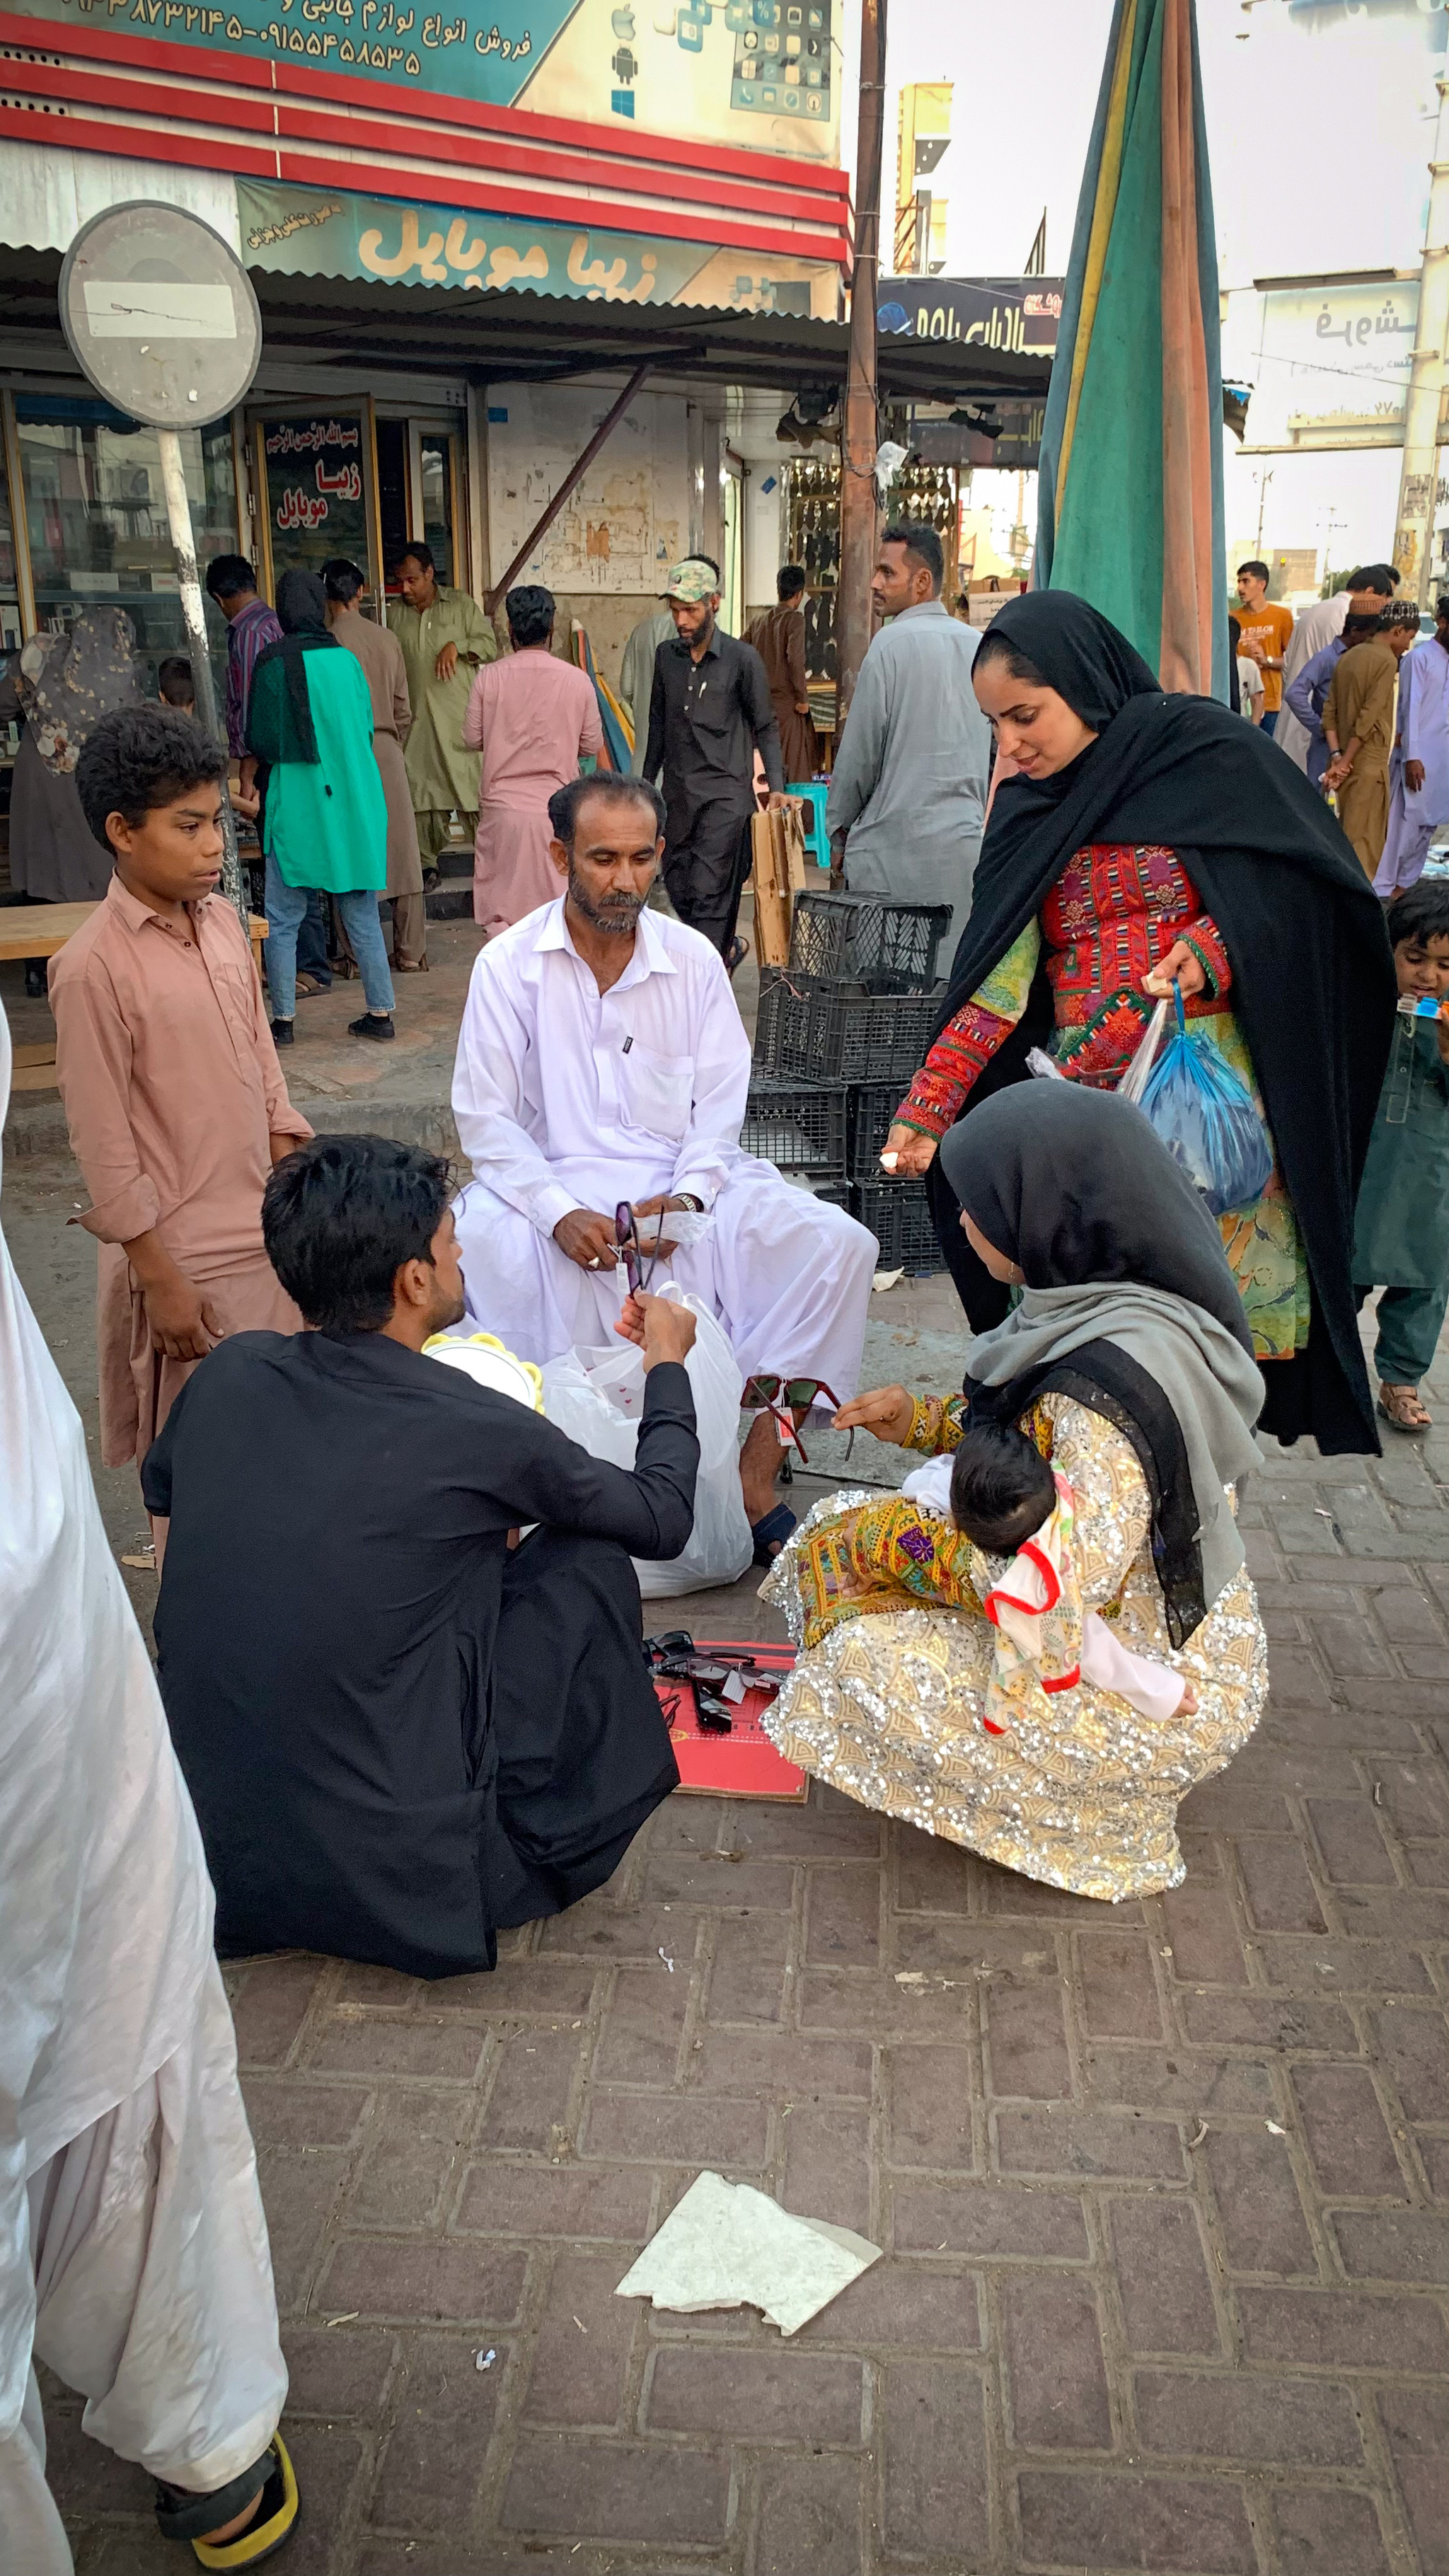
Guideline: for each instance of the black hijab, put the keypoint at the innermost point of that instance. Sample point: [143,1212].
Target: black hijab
[1313,981]
[280,727]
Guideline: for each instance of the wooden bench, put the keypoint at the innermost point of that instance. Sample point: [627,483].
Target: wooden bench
[41,930]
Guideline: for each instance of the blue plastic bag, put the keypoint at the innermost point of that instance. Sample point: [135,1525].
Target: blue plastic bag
[1206,1118]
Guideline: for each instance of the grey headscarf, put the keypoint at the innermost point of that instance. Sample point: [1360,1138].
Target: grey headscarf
[66,683]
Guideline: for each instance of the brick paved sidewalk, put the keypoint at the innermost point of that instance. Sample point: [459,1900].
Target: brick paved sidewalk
[1162,2189]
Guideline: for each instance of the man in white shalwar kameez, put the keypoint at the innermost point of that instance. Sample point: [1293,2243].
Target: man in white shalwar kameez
[1419,762]
[602,1058]
[133,2249]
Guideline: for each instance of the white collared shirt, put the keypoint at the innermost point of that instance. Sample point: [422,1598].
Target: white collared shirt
[566,1097]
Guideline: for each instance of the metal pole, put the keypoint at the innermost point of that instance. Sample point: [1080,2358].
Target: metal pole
[859,424]
[193,613]
[572,479]
[1414,533]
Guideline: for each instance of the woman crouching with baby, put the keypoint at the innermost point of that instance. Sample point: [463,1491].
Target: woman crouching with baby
[1049,1636]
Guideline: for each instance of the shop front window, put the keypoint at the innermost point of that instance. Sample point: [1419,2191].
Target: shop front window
[435,474]
[9,583]
[95,514]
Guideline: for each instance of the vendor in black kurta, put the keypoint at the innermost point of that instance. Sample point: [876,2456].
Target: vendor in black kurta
[466,1736]
[709,712]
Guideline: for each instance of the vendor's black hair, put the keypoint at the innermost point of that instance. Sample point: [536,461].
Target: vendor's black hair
[789,581]
[416,552]
[342,579]
[1001,1487]
[922,544]
[140,757]
[615,786]
[227,575]
[342,1215]
[530,611]
[1421,912]
[176,681]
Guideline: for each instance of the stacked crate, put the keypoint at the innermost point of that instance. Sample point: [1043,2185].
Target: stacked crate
[841,1030]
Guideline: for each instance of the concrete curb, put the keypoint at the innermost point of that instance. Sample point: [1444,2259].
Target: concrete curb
[36,1127]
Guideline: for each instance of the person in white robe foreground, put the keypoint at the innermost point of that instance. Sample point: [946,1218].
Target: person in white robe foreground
[133,2249]
[1419,763]
[602,1058]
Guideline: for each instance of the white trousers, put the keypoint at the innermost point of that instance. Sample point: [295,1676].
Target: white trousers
[153,2287]
[787,1275]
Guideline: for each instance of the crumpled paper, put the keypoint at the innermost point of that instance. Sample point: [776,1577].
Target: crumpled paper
[726,2245]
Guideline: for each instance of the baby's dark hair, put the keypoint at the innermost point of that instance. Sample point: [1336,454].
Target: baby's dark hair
[1001,1488]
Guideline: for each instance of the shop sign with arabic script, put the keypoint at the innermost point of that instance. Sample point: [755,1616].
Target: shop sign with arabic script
[484,49]
[318,233]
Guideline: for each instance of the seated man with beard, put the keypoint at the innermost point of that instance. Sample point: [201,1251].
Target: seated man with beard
[469,1737]
[602,1058]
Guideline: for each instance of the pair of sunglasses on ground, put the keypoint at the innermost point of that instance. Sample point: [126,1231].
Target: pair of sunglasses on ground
[782,1398]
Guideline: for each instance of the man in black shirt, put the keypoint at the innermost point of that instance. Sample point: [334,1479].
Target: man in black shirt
[709,710]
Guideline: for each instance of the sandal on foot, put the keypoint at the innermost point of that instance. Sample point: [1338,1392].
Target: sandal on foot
[736,953]
[181,2515]
[771,1533]
[1402,1409]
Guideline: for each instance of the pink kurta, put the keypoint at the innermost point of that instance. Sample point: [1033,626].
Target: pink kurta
[533,717]
[172,1093]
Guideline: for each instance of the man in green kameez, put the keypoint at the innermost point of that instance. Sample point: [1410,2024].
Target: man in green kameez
[445,639]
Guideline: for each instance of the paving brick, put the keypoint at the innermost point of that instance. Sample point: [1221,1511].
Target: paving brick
[341,2371]
[1398,1913]
[1118,1988]
[1081,2519]
[83,2476]
[720,1878]
[1428,1863]
[1349,1648]
[842,1915]
[1279,1888]
[463,2284]
[299,2194]
[1247,2417]
[1354,1851]
[1296,1681]
[1319,2528]
[1053,2140]
[1026,2041]
[1416,2422]
[827,2163]
[777,2393]
[356,1981]
[443,2416]
[1162,2276]
[932,1876]
[677,2129]
[1055,2368]
[528,2099]
[785,2064]
[270,2006]
[917,2307]
[827,1828]
[1415,1794]
[934,2437]
[1335,1965]
[810,2518]
[1343,2329]
[355,2043]
[1202,1932]
[1393,2244]
[290,2114]
[1004,1893]
[518,1990]
[641,2030]
[1415,2048]
[578,2201]
[1343,2123]
[601,1928]
[410,2158]
[1262,2216]
[1232,1804]
[747,1980]
[976,2219]
[929,2092]
[618,2492]
[329,2465]
[1268,2021]
[1151,2081]
[582,2349]
[863,2006]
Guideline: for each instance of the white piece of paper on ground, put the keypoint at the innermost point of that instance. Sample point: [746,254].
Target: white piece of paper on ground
[726,2246]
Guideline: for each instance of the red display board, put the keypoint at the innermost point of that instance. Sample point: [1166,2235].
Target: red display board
[744,1763]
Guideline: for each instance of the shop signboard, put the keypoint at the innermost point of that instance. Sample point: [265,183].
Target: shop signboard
[1019,314]
[1328,363]
[318,471]
[760,75]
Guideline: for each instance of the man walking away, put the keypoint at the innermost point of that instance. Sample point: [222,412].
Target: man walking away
[910,783]
[250,625]
[779,639]
[1266,627]
[636,676]
[445,638]
[385,672]
[1358,725]
[534,718]
[1318,625]
[1306,694]
[709,711]
[1419,769]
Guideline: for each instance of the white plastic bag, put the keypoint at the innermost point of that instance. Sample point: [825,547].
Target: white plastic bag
[597,1398]
[1134,1080]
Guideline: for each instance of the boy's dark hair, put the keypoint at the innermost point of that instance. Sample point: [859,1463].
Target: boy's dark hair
[530,611]
[1001,1487]
[342,1215]
[789,581]
[1363,623]
[342,579]
[175,681]
[415,552]
[141,757]
[923,547]
[1420,913]
[1253,565]
[615,786]
[226,575]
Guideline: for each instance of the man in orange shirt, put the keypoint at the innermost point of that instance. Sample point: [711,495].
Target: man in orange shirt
[1266,626]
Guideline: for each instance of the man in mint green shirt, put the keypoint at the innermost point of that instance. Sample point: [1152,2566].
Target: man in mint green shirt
[324,814]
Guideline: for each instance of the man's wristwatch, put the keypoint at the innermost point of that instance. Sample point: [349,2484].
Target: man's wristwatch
[687,1199]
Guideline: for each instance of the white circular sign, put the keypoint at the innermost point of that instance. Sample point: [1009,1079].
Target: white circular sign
[161,314]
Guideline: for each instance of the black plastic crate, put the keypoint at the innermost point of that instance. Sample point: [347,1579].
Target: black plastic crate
[867,939]
[896,1213]
[798,1125]
[820,1032]
[784,1025]
[870,1108]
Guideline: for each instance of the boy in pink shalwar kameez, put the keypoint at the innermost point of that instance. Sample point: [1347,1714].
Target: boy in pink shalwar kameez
[534,718]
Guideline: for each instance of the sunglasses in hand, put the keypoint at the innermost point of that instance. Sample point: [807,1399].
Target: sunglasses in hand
[782,1398]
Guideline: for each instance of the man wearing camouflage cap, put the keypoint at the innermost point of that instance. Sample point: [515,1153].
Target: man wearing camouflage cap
[709,711]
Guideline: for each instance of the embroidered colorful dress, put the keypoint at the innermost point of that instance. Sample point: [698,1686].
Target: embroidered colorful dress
[1111,915]
[899,1671]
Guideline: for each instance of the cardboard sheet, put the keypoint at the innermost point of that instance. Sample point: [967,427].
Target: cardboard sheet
[725,2245]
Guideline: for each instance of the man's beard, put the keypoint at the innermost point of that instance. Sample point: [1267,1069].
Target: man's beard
[617,916]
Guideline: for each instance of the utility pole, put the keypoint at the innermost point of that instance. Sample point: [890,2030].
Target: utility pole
[1414,533]
[858,424]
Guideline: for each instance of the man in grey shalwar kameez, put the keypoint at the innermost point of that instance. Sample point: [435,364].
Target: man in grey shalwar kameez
[910,781]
